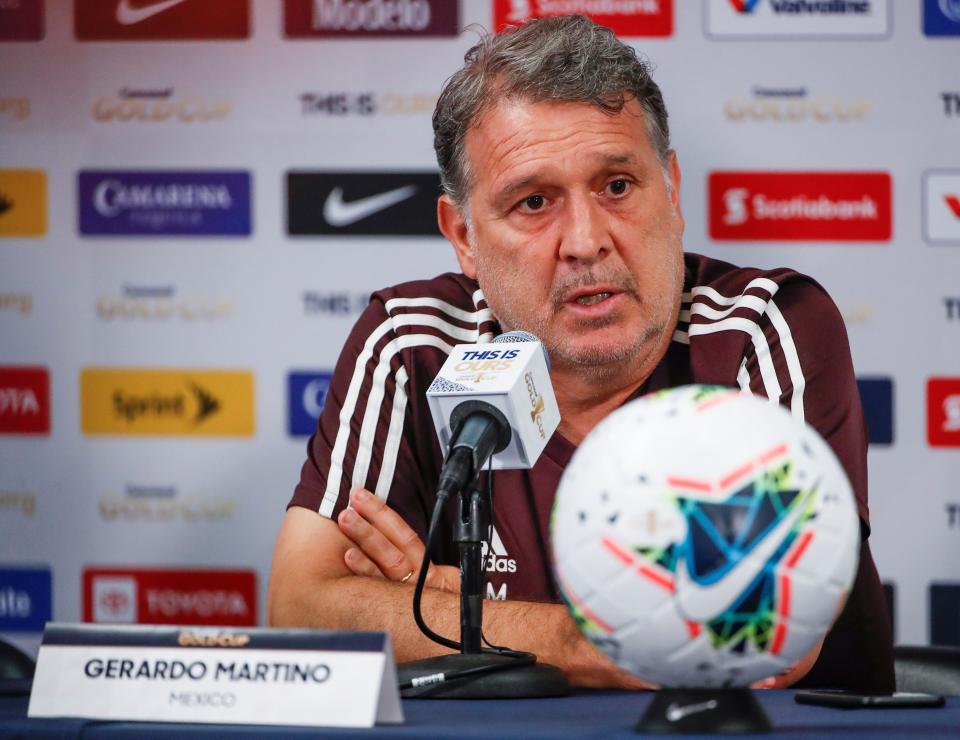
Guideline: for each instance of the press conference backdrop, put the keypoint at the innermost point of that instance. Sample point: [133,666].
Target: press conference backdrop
[197,197]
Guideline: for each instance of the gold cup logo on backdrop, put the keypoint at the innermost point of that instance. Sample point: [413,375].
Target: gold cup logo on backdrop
[157,105]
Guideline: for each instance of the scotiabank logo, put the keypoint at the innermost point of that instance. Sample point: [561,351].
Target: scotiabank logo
[318,18]
[24,400]
[624,17]
[943,412]
[208,597]
[160,20]
[804,206]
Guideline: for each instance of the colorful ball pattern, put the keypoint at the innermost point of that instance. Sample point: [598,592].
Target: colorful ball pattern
[704,538]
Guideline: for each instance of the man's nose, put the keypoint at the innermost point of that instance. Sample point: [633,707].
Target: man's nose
[586,234]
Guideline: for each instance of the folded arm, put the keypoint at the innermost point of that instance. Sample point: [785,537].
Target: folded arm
[312,585]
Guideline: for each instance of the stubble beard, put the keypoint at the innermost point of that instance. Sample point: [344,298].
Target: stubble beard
[576,352]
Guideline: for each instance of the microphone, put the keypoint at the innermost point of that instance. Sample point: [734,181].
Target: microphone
[492,401]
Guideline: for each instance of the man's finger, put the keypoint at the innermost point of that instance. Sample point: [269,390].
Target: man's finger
[360,565]
[389,523]
[387,557]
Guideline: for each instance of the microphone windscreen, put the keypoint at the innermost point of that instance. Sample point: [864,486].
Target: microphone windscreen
[519,335]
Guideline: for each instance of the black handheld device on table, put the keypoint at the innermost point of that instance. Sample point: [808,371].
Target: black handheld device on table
[848,700]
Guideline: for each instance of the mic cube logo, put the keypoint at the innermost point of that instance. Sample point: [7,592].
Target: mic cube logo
[941,206]
[143,596]
[943,412]
[307,392]
[624,17]
[24,400]
[800,206]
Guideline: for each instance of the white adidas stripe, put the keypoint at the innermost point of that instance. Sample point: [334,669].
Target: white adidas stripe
[375,399]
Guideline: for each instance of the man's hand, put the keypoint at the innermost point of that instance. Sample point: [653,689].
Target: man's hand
[386,546]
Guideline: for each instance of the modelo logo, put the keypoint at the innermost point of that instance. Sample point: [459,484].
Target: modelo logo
[24,400]
[166,402]
[115,202]
[624,17]
[805,206]
[317,18]
[204,597]
[26,599]
[156,106]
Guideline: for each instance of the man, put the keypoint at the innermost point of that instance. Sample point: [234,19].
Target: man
[561,200]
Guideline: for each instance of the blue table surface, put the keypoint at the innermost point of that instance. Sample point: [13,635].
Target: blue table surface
[587,714]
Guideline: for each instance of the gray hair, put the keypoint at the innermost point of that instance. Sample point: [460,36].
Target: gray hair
[555,59]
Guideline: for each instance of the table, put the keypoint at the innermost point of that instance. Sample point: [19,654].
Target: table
[586,714]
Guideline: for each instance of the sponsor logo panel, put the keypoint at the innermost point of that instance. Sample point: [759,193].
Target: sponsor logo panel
[159,105]
[153,596]
[306,394]
[319,18]
[804,206]
[26,599]
[797,18]
[952,306]
[161,304]
[941,17]
[24,400]
[15,108]
[127,401]
[876,396]
[363,203]
[785,104]
[941,206]
[23,203]
[943,412]
[624,17]
[160,20]
[21,20]
[16,302]
[951,103]
[161,504]
[890,598]
[945,614]
[334,303]
[23,503]
[163,203]
[340,104]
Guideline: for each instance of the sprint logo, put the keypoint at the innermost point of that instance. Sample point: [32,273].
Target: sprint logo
[166,402]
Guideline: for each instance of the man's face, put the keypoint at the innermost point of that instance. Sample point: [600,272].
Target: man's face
[575,234]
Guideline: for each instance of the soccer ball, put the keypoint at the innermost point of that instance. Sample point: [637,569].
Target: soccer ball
[704,538]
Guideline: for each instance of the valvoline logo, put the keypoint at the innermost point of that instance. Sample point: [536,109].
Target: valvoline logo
[744,6]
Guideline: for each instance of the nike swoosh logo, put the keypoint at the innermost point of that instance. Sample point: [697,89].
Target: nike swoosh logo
[675,712]
[700,603]
[337,213]
[129,16]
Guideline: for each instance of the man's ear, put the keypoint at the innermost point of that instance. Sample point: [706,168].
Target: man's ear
[673,170]
[454,227]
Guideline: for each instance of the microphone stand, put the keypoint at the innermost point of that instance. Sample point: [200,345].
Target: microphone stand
[483,674]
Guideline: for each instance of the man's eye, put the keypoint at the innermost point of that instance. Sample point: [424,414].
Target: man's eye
[534,202]
[618,187]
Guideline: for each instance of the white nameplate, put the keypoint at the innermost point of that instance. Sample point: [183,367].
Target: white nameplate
[228,676]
